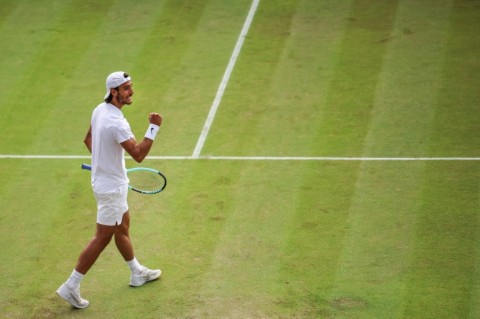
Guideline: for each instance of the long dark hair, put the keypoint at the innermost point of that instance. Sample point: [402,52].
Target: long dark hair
[110,96]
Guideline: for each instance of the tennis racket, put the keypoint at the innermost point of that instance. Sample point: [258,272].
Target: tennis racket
[143,180]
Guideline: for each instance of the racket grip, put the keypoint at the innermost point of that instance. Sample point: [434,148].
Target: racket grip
[86,166]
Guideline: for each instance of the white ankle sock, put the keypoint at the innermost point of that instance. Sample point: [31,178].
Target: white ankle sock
[75,279]
[134,265]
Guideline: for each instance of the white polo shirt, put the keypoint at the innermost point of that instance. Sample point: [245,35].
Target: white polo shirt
[109,129]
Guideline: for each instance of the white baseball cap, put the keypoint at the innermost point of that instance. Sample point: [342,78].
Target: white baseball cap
[116,79]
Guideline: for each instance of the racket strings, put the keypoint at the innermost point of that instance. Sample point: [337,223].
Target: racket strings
[146,181]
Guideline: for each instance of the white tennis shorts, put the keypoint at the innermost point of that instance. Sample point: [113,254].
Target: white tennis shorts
[111,206]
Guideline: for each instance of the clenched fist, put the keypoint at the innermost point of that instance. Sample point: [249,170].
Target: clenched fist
[155,118]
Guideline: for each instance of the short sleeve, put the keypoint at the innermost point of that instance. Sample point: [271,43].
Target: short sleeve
[122,131]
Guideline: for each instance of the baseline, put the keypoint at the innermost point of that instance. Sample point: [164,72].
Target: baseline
[254,158]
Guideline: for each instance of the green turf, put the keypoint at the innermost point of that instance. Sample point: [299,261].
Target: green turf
[250,239]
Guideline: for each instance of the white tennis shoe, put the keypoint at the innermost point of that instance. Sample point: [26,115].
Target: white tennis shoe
[72,296]
[145,275]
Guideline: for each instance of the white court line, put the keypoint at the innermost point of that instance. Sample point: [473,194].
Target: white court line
[224,82]
[256,158]
[303,158]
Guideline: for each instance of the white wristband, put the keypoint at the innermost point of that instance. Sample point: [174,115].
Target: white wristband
[152,131]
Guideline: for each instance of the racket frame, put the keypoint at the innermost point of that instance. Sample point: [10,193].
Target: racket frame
[136,169]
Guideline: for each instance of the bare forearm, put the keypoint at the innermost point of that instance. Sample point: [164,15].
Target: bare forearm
[138,151]
[143,149]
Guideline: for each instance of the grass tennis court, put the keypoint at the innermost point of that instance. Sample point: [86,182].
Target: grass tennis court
[339,178]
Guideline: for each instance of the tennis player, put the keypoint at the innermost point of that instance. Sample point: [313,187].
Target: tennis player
[108,137]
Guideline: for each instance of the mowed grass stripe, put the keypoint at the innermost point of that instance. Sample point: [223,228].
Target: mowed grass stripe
[169,38]
[27,30]
[442,277]
[410,81]
[22,37]
[358,65]
[245,278]
[372,271]
[474,307]
[290,109]
[457,116]
[446,236]
[369,278]
[315,238]
[344,130]
[377,257]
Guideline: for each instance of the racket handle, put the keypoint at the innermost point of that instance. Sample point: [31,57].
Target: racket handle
[87,167]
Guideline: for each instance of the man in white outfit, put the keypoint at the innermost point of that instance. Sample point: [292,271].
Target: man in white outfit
[108,137]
